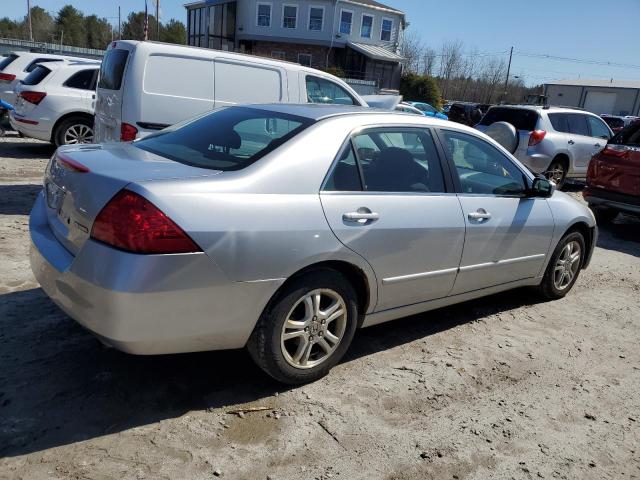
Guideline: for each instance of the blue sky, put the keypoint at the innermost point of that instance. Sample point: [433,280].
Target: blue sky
[579,29]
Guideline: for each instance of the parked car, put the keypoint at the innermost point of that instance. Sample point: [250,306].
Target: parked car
[466,113]
[616,123]
[629,119]
[17,65]
[147,86]
[55,103]
[428,110]
[5,124]
[284,228]
[555,141]
[613,178]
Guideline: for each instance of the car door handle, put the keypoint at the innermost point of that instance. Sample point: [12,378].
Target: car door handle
[571,142]
[480,214]
[361,216]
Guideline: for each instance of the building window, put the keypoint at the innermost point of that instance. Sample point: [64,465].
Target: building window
[279,55]
[346,19]
[367,26]
[385,32]
[197,26]
[264,15]
[289,16]
[316,18]
[304,59]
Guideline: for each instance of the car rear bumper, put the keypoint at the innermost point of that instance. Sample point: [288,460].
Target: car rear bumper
[146,304]
[40,131]
[598,197]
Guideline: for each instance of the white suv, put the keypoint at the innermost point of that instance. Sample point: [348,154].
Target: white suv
[55,103]
[555,141]
[17,65]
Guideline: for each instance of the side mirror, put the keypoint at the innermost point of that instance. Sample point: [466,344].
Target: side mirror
[542,187]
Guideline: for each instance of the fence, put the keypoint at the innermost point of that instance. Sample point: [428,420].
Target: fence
[10,44]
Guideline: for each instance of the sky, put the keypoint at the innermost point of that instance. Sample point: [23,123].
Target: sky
[591,30]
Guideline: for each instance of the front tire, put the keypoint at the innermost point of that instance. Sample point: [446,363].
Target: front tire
[564,267]
[74,130]
[307,329]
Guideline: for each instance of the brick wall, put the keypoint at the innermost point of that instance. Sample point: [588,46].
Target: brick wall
[291,50]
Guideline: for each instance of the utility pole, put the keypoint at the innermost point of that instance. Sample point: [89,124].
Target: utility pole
[61,38]
[119,25]
[158,20]
[506,80]
[29,19]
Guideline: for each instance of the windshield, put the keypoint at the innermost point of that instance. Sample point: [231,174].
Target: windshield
[425,107]
[520,118]
[230,138]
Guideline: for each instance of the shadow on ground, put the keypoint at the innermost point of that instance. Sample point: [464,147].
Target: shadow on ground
[622,235]
[59,386]
[13,147]
[18,199]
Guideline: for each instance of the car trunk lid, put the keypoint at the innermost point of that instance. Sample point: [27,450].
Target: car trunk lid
[80,180]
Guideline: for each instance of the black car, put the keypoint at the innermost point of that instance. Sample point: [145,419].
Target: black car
[467,113]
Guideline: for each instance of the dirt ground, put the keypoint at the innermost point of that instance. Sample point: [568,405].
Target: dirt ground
[503,387]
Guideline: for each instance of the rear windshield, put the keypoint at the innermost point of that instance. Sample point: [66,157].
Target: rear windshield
[614,122]
[36,76]
[229,138]
[5,62]
[522,119]
[112,69]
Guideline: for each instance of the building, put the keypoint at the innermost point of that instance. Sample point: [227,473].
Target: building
[359,37]
[598,96]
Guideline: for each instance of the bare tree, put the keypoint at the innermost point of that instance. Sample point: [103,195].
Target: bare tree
[411,51]
[429,57]
[450,57]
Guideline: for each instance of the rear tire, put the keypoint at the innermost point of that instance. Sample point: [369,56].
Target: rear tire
[564,267]
[298,339]
[604,215]
[557,172]
[73,130]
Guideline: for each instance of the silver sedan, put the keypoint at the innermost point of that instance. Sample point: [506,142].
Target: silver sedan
[285,228]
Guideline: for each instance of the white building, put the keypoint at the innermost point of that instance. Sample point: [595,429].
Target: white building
[613,97]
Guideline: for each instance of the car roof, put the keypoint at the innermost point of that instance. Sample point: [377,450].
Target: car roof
[317,111]
[539,108]
[72,65]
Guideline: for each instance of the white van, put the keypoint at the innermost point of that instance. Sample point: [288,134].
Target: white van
[17,65]
[147,86]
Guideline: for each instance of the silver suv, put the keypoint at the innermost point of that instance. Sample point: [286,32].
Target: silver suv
[555,141]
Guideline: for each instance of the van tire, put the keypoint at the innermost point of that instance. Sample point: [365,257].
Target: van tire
[77,126]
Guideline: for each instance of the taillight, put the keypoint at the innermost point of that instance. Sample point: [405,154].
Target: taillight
[70,164]
[7,76]
[615,151]
[128,132]
[536,137]
[132,223]
[33,97]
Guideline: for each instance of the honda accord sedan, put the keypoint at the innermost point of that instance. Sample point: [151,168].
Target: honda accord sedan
[285,228]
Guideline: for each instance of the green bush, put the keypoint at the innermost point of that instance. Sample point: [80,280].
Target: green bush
[420,88]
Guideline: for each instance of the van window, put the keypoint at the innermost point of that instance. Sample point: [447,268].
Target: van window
[82,80]
[179,77]
[5,62]
[320,90]
[520,118]
[230,138]
[31,67]
[35,77]
[246,83]
[112,69]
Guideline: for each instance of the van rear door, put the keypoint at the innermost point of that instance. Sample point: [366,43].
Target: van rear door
[108,116]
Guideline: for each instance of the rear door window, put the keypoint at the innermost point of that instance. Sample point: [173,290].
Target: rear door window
[82,80]
[321,90]
[598,128]
[36,76]
[31,67]
[112,69]
[578,124]
[5,62]
[521,119]
[559,122]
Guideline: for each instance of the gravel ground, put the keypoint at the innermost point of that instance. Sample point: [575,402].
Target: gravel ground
[503,387]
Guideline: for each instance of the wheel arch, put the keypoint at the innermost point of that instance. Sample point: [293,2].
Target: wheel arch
[564,158]
[66,116]
[590,236]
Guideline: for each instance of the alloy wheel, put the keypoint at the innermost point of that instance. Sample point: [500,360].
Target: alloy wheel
[313,328]
[567,265]
[555,173]
[78,133]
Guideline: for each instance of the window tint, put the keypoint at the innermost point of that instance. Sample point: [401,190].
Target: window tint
[346,18]
[264,15]
[481,167]
[578,124]
[399,160]
[559,122]
[320,90]
[614,122]
[345,176]
[112,69]
[289,16]
[522,119]
[316,17]
[226,139]
[5,62]
[598,128]
[367,26]
[35,63]
[385,33]
[629,136]
[82,80]
[36,76]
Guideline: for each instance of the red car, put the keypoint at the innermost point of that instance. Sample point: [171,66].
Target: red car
[613,177]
